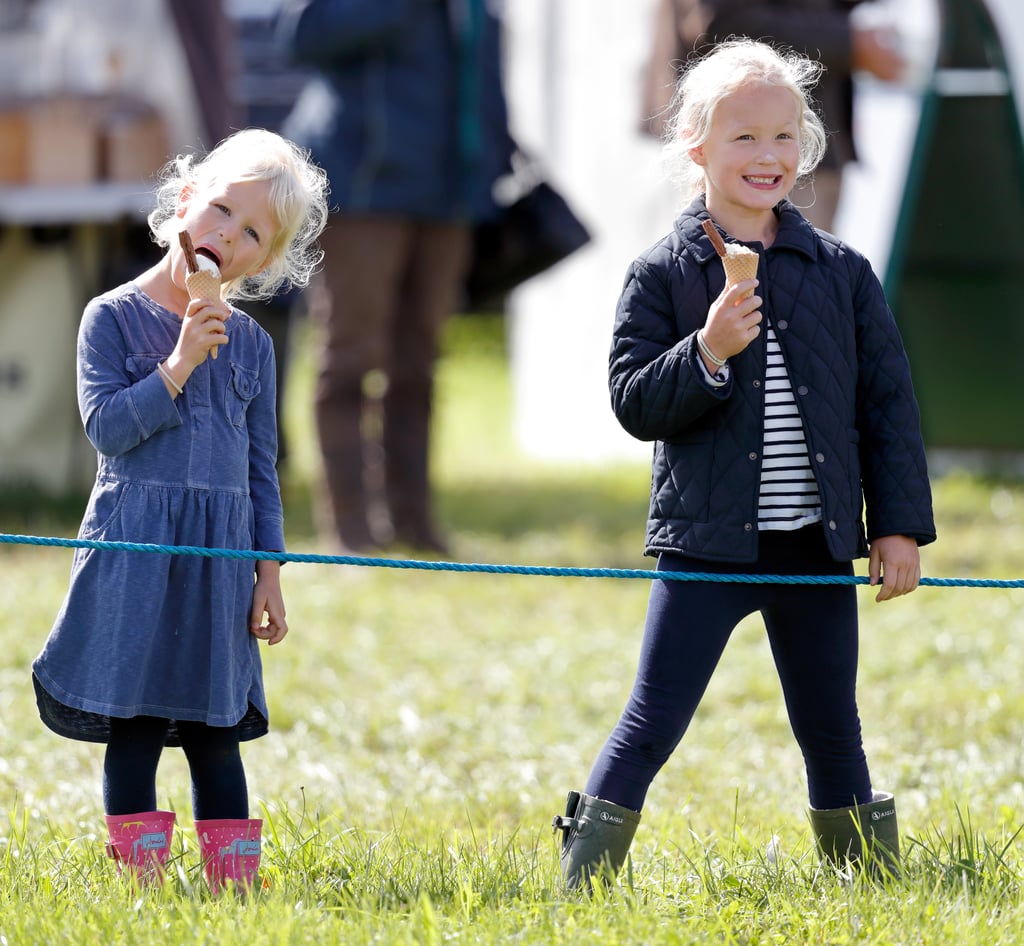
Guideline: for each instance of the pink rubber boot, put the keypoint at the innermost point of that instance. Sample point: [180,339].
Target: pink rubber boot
[230,851]
[141,843]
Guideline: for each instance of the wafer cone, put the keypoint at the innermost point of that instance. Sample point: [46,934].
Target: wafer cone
[740,264]
[203,284]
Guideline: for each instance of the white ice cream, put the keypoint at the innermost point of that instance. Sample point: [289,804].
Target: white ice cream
[207,265]
[735,249]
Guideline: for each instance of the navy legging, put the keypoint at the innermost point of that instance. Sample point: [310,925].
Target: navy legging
[812,630]
[133,753]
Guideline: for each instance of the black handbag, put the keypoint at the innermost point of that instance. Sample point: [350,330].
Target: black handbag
[535,229]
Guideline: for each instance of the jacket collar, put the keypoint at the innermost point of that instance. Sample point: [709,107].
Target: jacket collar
[795,233]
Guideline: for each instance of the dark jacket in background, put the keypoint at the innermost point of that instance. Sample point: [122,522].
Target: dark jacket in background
[208,41]
[849,373]
[407,115]
[820,29]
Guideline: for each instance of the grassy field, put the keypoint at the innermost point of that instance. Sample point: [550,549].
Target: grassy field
[426,726]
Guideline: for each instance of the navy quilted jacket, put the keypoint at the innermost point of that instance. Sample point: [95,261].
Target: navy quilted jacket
[849,373]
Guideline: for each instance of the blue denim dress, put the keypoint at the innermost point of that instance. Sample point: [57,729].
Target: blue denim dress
[150,633]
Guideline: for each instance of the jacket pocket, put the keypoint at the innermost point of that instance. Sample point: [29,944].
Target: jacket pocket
[681,485]
[853,459]
[242,388]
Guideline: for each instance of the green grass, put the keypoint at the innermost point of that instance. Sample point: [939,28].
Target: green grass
[425,727]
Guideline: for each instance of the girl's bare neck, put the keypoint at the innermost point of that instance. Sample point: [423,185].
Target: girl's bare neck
[756,227]
[156,283]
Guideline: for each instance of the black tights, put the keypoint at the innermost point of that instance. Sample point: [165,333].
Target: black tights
[814,641]
[214,760]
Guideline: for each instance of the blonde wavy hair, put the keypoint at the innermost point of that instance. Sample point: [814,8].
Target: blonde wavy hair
[729,67]
[298,199]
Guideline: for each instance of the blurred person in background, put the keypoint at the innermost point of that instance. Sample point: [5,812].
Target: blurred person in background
[209,42]
[407,115]
[265,85]
[821,29]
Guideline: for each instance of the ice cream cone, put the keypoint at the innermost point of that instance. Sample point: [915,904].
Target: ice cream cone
[204,284]
[740,263]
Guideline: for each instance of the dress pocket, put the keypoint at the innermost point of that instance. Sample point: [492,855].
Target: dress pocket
[138,367]
[105,504]
[243,387]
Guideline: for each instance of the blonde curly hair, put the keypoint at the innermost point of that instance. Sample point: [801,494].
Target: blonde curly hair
[298,198]
[729,67]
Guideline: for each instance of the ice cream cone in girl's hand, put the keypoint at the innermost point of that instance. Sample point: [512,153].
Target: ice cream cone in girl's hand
[205,282]
[203,277]
[740,263]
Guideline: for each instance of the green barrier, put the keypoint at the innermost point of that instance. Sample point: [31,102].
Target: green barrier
[955,272]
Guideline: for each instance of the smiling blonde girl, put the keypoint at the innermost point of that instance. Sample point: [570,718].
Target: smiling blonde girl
[778,407]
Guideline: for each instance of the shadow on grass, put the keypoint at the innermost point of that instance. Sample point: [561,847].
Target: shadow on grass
[608,512]
[509,511]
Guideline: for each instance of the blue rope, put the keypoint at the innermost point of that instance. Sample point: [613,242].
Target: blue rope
[543,570]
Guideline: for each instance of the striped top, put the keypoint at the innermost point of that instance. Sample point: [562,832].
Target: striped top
[788,497]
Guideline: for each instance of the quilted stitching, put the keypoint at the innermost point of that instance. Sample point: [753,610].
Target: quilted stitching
[847,367]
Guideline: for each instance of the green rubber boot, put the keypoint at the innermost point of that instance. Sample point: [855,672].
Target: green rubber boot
[596,838]
[866,835]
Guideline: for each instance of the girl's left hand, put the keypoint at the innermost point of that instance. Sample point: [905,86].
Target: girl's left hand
[273,632]
[268,600]
[896,561]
